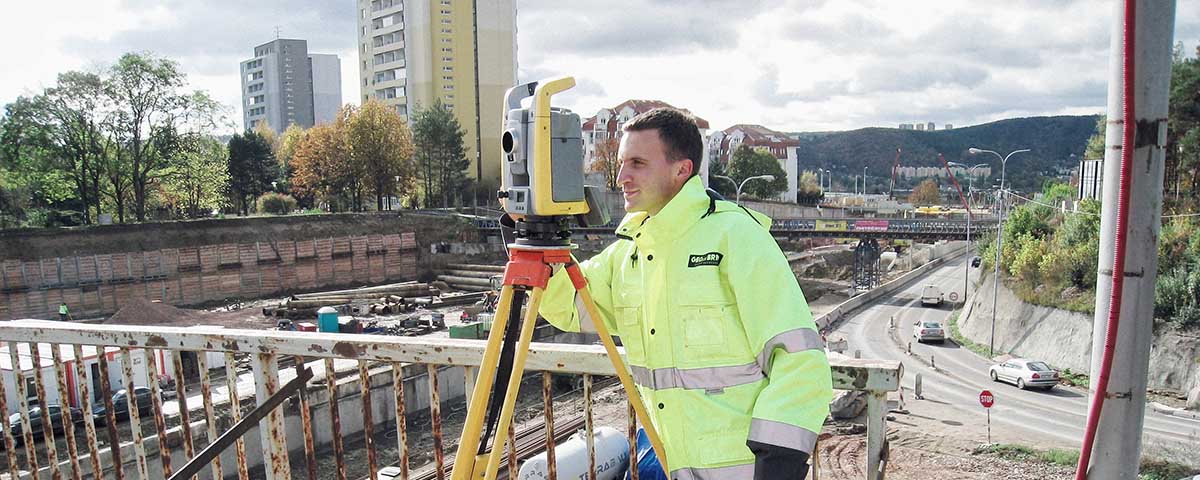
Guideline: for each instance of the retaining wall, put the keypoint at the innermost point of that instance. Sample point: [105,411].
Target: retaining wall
[1064,339]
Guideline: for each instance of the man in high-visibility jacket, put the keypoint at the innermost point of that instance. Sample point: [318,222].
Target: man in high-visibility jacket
[718,335]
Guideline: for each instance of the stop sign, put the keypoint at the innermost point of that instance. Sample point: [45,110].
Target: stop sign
[986,399]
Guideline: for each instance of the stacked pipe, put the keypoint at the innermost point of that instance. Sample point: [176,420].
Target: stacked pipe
[383,299]
[470,277]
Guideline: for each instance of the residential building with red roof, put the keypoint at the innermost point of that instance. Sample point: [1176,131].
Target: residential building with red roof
[607,123]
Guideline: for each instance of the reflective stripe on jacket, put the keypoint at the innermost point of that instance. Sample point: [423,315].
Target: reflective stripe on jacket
[718,335]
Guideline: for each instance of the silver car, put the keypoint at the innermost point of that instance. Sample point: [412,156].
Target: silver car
[1025,374]
[928,332]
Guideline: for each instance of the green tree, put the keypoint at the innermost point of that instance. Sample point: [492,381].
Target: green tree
[439,152]
[285,151]
[147,103]
[748,162]
[1094,150]
[381,143]
[251,167]
[198,178]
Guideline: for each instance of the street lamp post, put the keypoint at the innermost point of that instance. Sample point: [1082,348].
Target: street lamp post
[970,184]
[864,188]
[738,198]
[999,237]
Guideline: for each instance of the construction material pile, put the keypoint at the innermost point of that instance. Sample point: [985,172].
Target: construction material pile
[472,277]
[380,300]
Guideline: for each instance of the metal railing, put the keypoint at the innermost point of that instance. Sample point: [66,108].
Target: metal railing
[69,344]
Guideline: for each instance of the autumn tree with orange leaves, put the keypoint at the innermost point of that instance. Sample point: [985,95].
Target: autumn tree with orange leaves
[605,161]
[323,167]
[382,146]
[361,153]
[926,193]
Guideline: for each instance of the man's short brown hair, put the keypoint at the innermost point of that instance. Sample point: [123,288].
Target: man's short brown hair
[676,129]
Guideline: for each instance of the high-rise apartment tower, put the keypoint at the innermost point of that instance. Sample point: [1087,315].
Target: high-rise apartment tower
[461,52]
[283,84]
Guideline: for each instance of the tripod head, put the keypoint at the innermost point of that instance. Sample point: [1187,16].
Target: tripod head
[542,185]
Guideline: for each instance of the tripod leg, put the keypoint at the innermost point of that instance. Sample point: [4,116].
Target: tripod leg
[618,364]
[466,458]
[514,384]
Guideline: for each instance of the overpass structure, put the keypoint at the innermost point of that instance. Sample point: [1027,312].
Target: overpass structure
[931,229]
[881,228]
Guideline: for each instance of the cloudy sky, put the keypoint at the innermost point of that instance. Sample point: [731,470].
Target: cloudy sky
[799,65]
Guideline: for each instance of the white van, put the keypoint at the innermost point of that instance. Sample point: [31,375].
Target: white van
[931,295]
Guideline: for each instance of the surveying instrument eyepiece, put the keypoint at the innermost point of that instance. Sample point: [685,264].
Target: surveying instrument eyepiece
[542,192]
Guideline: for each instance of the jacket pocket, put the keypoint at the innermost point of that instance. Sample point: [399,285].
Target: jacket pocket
[630,325]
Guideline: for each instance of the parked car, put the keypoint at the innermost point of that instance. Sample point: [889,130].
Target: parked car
[975,261]
[929,332]
[35,419]
[1025,373]
[931,295]
[120,402]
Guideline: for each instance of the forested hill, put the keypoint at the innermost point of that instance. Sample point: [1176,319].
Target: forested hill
[1051,139]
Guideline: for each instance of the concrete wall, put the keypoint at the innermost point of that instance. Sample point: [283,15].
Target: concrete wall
[97,285]
[96,269]
[1064,339]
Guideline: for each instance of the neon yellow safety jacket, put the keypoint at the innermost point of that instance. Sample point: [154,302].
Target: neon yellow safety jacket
[718,335]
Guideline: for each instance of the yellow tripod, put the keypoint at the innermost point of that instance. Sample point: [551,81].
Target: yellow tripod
[528,271]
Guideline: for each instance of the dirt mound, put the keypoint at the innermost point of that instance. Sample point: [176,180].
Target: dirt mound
[145,312]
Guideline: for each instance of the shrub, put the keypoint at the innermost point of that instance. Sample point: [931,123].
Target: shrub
[1029,252]
[275,203]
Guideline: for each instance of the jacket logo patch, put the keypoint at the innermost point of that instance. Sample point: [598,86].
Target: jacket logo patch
[710,259]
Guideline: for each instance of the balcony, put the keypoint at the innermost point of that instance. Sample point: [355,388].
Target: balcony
[301,412]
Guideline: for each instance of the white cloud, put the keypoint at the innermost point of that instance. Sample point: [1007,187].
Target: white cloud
[788,64]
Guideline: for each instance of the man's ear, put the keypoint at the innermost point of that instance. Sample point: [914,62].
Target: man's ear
[685,168]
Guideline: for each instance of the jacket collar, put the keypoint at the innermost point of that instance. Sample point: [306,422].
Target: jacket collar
[683,210]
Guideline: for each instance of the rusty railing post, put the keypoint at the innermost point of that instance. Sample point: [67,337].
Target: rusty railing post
[274,439]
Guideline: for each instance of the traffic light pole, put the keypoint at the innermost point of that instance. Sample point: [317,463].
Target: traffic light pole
[1116,451]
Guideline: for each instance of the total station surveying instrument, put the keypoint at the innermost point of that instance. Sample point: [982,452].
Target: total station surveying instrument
[541,191]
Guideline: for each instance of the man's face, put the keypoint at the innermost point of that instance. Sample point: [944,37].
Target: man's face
[647,178]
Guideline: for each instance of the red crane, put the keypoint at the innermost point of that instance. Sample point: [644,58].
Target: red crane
[895,167]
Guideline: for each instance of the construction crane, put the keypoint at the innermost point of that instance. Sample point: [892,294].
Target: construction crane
[895,167]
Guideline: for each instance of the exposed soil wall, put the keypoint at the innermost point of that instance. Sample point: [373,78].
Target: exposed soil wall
[1064,338]
[95,270]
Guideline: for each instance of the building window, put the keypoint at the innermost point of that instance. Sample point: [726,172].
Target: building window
[447,59]
[387,75]
[389,57]
[447,40]
[447,87]
[447,50]
[445,12]
[447,31]
[387,21]
[389,93]
[388,38]
[446,21]
[254,76]
[447,78]
[447,69]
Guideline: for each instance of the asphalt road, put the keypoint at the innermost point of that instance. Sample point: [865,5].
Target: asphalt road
[1057,416]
